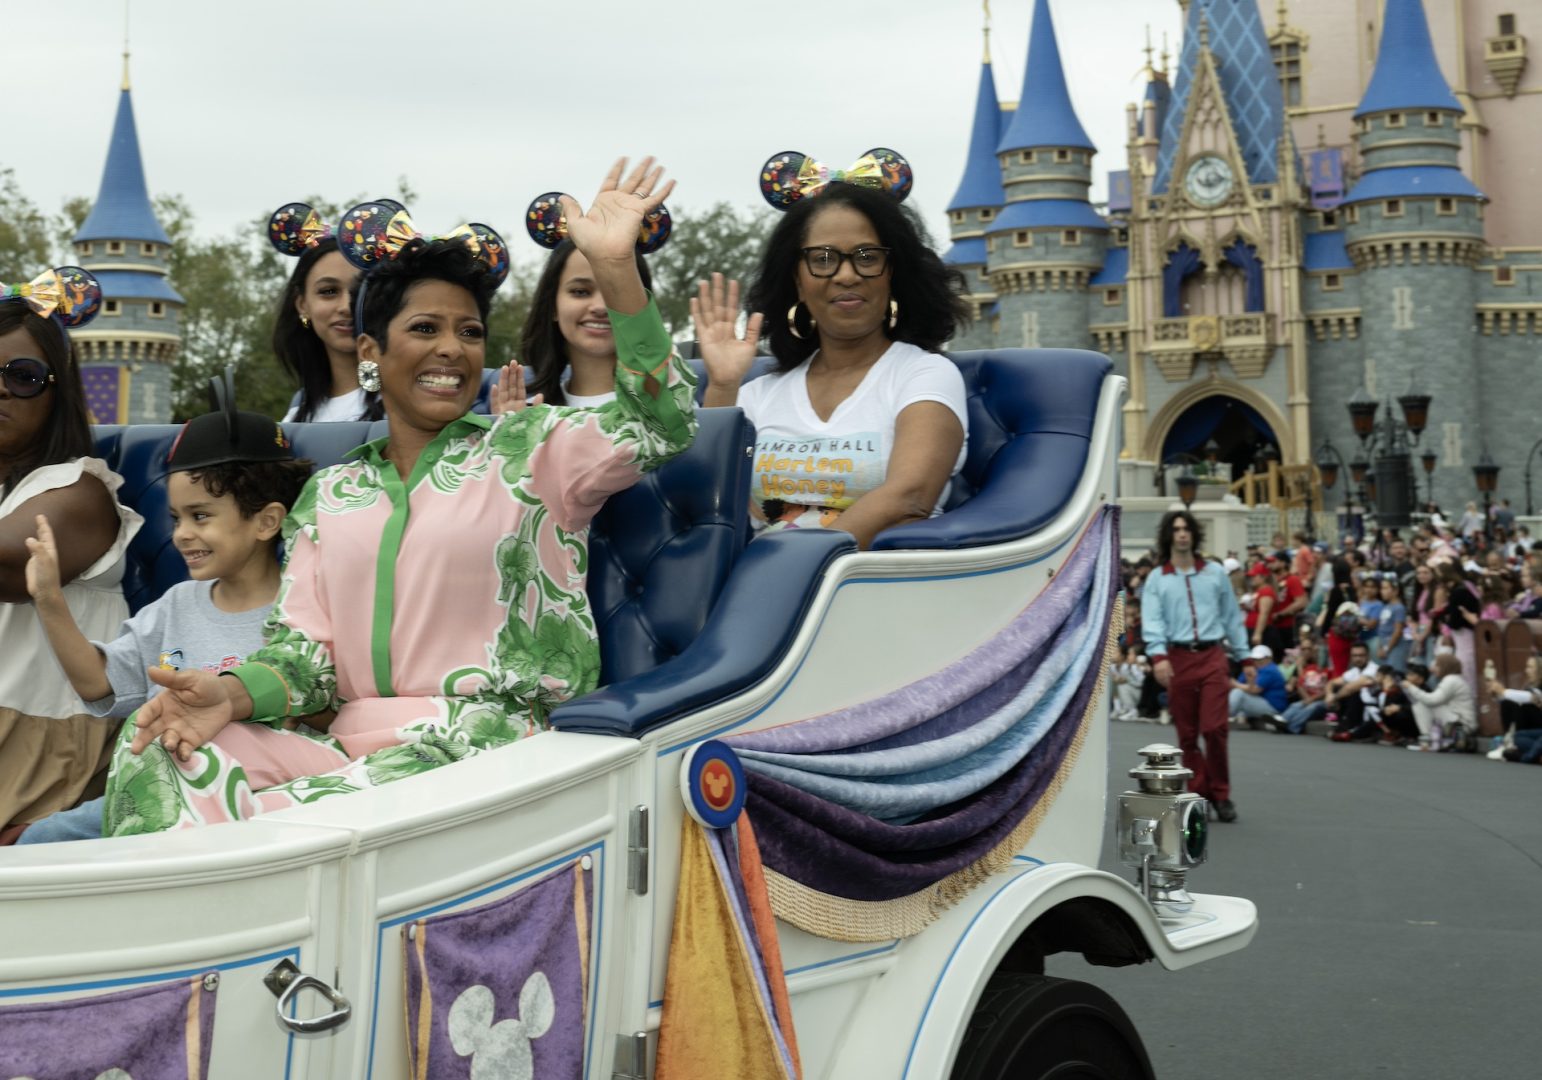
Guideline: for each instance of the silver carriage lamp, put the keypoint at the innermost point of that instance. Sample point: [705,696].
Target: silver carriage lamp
[1162,828]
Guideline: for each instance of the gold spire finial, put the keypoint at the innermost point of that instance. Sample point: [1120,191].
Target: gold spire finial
[125,44]
[1148,50]
[1204,30]
[1281,11]
[1164,52]
[986,4]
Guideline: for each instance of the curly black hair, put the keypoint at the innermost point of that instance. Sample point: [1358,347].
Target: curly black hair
[541,344]
[255,484]
[1164,536]
[385,286]
[928,291]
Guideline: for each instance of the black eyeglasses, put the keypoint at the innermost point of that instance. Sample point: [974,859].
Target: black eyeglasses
[866,261]
[25,377]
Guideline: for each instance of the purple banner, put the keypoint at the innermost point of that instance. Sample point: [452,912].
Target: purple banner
[1325,175]
[102,392]
[499,991]
[159,1032]
[1119,191]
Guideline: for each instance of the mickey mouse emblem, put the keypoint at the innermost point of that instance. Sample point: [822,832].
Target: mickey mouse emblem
[501,1051]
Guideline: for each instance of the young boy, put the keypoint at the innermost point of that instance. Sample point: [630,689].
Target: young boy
[233,477]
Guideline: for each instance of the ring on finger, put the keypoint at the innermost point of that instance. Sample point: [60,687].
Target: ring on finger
[640,193]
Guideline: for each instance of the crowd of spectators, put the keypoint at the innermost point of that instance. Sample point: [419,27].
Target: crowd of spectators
[1374,642]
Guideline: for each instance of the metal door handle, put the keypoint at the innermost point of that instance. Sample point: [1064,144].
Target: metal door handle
[286,980]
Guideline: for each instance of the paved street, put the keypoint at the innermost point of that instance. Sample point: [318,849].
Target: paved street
[1400,919]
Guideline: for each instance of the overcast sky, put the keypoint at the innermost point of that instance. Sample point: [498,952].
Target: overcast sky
[245,105]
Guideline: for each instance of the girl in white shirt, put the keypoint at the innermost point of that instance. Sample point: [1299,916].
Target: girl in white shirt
[864,424]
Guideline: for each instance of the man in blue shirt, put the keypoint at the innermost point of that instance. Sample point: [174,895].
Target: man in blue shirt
[1191,623]
[1260,693]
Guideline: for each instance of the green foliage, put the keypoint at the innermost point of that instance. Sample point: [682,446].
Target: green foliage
[26,234]
[724,238]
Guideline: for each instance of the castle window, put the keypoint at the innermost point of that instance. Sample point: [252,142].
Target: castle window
[1504,275]
[1352,215]
[1445,207]
[985,275]
[87,248]
[147,249]
[111,307]
[157,310]
[1112,297]
[1506,25]
[987,214]
[1121,236]
[1392,208]
[1434,119]
[958,217]
[1062,156]
[1330,219]
[1071,236]
[1022,238]
[115,247]
[1394,119]
[1332,282]
[1025,157]
[1286,49]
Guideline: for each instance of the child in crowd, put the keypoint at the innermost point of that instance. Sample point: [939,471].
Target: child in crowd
[1129,676]
[233,478]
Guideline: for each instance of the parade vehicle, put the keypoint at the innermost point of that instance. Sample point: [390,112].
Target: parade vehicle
[916,736]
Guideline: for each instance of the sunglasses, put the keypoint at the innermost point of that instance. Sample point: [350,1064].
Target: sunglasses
[26,377]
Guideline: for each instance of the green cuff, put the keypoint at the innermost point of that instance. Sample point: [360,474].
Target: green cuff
[270,696]
[643,346]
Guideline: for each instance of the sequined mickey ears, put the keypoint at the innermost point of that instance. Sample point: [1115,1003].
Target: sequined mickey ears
[296,227]
[382,229]
[548,226]
[67,293]
[790,176]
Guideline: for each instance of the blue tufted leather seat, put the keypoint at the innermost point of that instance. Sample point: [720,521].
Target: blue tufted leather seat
[689,615]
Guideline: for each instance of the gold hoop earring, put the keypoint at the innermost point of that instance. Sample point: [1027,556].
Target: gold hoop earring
[893,314]
[792,321]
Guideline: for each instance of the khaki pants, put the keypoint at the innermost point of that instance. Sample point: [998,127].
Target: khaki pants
[49,764]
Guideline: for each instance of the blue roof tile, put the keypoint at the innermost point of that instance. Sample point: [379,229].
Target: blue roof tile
[1412,181]
[1248,83]
[1116,268]
[1044,115]
[981,185]
[1407,74]
[122,210]
[135,285]
[1047,214]
[966,252]
[1326,251]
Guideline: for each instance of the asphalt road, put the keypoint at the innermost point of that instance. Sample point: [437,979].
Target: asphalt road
[1400,919]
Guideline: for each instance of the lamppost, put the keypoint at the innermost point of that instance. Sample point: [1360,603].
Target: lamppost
[1529,455]
[1188,487]
[1329,462]
[1486,474]
[1427,459]
[1390,441]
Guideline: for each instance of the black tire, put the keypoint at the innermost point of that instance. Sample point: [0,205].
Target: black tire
[1034,1027]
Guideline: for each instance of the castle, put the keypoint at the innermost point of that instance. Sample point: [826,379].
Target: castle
[1309,213]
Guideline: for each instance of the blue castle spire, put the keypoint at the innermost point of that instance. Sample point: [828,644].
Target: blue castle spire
[1407,74]
[981,185]
[122,210]
[1249,86]
[1044,115]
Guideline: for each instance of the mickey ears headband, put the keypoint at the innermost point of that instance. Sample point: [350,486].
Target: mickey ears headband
[68,293]
[790,176]
[548,226]
[381,229]
[226,434]
[295,227]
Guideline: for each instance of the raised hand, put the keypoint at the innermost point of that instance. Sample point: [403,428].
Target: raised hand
[508,393]
[43,583]
[727,356]
[607,231]
[193,708]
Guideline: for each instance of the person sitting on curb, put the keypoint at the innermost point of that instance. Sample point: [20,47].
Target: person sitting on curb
[1447,715]
[1350,699]
[1259,696]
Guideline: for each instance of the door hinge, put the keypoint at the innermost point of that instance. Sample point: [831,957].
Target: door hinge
[637,851]
[631,1058]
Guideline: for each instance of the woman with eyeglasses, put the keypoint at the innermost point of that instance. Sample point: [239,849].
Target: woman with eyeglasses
[861,427]
[50,748]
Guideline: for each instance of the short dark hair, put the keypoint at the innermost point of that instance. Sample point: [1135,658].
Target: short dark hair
[541,344]
[385,286]
[1165,533]
[298,348]
[66,433]
[255,484]
[927,291]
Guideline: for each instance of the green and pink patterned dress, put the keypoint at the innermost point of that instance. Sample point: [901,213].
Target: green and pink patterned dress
[439,617]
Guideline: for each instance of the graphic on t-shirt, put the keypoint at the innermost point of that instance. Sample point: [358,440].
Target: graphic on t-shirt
[831,471]
[171,660]
[225,664]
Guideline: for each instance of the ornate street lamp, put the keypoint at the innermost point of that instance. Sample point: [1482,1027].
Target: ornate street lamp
[1327,463]
[1486,474]
[1188,487]
[1358,467]
[1428,459]
[1416,411]
[1362,414]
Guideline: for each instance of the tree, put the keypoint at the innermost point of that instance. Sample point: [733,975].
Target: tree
[26,235]
[724,238]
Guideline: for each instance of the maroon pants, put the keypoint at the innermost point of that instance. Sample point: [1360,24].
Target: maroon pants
[1196,698]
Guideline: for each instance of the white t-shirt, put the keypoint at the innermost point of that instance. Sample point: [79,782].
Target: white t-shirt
[803,460]
[1368,694]
[584,401]
[335,410]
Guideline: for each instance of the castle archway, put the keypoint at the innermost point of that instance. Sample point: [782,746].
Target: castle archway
[1236,420]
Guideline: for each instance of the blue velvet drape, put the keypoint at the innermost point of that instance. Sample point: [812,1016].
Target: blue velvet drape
[1245,257]
[1199,421]
[1181,262]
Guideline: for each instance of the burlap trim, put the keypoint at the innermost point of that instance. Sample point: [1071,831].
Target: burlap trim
[841,919]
